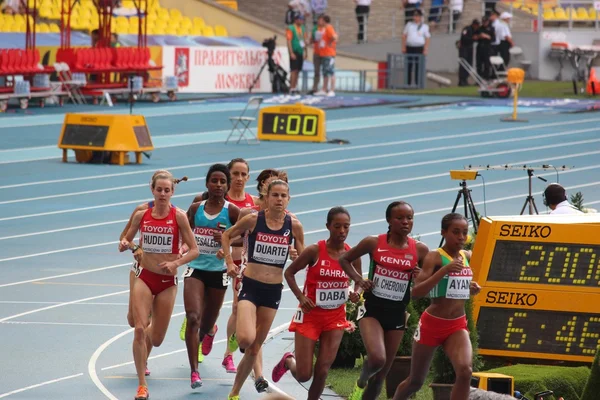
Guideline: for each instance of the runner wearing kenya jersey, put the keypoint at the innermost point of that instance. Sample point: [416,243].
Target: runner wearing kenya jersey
[270,234]
[206,278]
[155,286]
[394,259]
[321,314]
[447,278]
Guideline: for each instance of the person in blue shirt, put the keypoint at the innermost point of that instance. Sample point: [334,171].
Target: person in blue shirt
[206,278]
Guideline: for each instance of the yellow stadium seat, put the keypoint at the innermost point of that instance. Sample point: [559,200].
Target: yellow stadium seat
[54,28]
[196,31]
[133,30]
[175,13]
[199,22]
[220,30]
[183,31]
[582,14]
[185,22]
[151,17]
[171,31]
[164,15]
[159,31]
[208,31]
[549,15]
[592,13]
[42,28]
[560,14]
[161,24]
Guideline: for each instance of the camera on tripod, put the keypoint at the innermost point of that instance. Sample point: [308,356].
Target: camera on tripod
[277,75]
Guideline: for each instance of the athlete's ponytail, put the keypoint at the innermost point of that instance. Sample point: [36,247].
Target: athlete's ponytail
[177,181]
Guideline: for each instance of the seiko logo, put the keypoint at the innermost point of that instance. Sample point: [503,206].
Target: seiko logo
[529,231]
[512,298]
[89,119]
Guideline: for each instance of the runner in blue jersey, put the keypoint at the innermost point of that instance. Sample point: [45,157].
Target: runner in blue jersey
[206,278]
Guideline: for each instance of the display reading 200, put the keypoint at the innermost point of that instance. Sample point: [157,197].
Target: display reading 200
[290,124]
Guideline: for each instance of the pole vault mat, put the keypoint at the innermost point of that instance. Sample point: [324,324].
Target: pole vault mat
[324,102]
[563,105]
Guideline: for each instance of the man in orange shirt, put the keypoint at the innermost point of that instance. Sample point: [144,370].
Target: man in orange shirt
[327,45]
[296,42]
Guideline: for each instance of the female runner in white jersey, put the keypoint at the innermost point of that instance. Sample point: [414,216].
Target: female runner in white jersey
[271,233]
[321,314]
[206,278]
[155,288]
[394,258]
[447,278]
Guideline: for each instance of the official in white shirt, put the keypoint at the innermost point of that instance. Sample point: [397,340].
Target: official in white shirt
[555,198]
[415,40]
[504,37]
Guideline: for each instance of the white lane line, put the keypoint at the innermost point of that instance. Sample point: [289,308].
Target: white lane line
[39,385]
[63,323]
[428,150]
[326,208]
[312,152]
[573,155]
[64,275]
[431,162]
[61,305]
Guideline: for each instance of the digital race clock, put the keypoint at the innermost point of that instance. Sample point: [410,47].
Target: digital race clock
[295,122]
[541,286]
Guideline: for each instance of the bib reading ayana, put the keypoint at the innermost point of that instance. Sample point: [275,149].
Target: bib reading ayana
[157,239]
[272,249]
[205,240]
[390,284]
[331,295]
[459,285]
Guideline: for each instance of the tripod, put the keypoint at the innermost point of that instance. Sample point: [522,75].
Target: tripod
[530,200]
[465,194]
[276,76]
[269,58]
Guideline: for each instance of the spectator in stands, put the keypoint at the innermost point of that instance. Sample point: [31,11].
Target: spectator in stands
[327,51]
[363,7]
[316,36]
[291,12]
[12,7]
[318,8]
[456,8]
[95,37]
[435,13]
[555,197]
[485,37]
[415,40]
[410,6]
[468,37]
[114,40]
[296,42]
[505,37]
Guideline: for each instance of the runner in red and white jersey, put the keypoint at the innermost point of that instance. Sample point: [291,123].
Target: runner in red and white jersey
[321,314]
[395,257]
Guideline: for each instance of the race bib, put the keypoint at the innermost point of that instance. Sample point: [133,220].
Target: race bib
[138,271]
[302,43]
[362,310]
[188,272]
[390,284]
[417,335]
[299,316]
[322,44]
[205,240]
[157,242]
[331,295]
[271,249]
[225,281]
[459,285]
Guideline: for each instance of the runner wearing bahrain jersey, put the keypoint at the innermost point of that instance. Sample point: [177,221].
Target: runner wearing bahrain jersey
[206,278]
[155,288]
[394,259]
[271,232]
[447,279]
[321,314]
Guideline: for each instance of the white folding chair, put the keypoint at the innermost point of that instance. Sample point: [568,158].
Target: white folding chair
[498,67]
[241,123]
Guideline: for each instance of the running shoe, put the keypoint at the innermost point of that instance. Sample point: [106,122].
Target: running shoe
[142,393]
[229,365]
[207,342]
[147,373]
[232,343]
[233,398]
[196,381]
[261,385]
[183,328]
[280,369]
[357,393]
[200,355]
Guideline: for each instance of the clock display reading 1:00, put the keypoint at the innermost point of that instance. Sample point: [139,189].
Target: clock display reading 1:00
[539,331]
[290,124]
[546,263]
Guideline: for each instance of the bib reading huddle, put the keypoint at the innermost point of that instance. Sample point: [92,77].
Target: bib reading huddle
[455,285]
[326,282]
[269,247]
[160,235]
[205,225]
[391,273]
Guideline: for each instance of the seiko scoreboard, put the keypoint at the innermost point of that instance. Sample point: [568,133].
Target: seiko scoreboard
[540,278]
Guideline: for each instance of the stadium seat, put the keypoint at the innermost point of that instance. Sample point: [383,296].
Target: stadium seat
[560,14]
[592,13]
[220,30]
[42,28]
[199,22]
[208,31]
[549,15]
[582,14]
